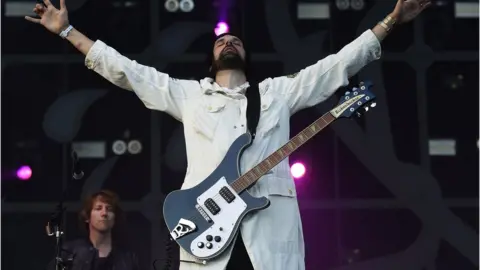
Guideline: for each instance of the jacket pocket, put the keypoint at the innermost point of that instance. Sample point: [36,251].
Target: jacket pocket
[207,117]
[269,119]
[281,187]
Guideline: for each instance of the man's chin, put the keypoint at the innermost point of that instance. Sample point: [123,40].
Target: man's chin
[229,55]
[103,230]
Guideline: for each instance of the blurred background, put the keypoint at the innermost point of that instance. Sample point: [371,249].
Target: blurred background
[396,189]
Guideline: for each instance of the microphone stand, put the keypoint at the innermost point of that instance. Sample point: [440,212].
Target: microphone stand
[56,222]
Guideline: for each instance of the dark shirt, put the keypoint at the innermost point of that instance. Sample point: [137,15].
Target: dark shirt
[81,255]
[102,264]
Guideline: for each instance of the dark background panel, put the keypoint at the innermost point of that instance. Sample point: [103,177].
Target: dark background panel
[452,94]
[321,247]
[25,244]
[377,232]
[27,92]
[344,207]
[402,98]
[354,179]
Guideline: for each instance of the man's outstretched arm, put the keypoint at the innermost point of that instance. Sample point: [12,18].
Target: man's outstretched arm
[156,89]
[319,81]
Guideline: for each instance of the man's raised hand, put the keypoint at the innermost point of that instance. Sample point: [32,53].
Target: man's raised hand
[55,20]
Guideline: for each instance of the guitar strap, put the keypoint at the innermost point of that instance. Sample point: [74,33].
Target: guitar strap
[253,108]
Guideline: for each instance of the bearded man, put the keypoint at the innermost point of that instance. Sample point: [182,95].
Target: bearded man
[214,113]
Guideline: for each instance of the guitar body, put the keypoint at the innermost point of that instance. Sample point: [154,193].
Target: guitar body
[204,219]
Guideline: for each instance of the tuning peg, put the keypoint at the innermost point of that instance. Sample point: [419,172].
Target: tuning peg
[347,93]
[366,109]
[359,114]
[361,83]
[373,105]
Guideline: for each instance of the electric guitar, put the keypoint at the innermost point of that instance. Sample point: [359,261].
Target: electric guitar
[204,219]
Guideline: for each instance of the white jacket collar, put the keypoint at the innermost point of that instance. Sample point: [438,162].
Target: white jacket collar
[209,86]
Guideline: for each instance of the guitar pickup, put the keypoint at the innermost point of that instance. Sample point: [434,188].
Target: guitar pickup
[212,206]
[227,194]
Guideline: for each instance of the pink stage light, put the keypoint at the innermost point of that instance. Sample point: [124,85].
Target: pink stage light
[222,27]
[297,170]
[24,173]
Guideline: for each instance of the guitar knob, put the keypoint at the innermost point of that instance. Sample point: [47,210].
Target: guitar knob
[209,245]
[209,238]
[218,239]
[200,244]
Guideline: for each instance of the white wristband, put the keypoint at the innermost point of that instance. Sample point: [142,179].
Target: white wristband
[65,32]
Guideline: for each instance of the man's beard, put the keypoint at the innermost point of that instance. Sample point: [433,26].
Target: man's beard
[228,61]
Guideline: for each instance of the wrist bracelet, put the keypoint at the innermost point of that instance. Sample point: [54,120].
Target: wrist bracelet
[65,32]
[384,25]
[387,23]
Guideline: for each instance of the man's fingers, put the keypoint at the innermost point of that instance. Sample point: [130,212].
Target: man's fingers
[47,3]
[32,19]
[62,4]
[426,5]
[39,11]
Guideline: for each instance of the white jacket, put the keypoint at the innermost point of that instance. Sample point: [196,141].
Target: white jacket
[212,121]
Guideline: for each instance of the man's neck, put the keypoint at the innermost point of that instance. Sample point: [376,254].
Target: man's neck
[230,78]
[102,242]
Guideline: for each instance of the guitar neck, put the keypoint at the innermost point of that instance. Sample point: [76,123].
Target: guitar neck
[276,157]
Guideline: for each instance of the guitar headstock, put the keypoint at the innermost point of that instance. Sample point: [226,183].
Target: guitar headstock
[355,101]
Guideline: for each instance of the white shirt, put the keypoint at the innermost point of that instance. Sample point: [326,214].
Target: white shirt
[212,121]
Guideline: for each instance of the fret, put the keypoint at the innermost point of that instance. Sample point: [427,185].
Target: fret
[269,163]
[305,136]
[272,158]
[236,185]
[324,121]
[301,138]
[298,141]
[258,171]
[290,145]
[264,168]
[245,183]
[247,179]
[292,141]
[307,133]
[252,176]
[313,128]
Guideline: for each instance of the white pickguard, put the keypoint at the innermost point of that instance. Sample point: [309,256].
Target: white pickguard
[223,222]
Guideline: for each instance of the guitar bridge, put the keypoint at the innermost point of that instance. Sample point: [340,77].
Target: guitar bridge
[203,213]
[183,227]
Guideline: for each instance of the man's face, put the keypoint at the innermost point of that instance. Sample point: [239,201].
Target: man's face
[228,53]
[102,217]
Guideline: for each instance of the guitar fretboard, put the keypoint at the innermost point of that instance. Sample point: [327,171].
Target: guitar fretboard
[276,157]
